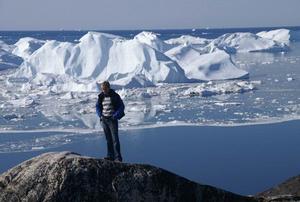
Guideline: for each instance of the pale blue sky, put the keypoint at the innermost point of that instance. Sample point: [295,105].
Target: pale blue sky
[150,14]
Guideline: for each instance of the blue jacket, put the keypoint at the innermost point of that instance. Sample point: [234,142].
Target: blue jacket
[116,102]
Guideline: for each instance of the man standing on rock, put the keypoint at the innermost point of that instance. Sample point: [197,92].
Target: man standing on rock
[110,109]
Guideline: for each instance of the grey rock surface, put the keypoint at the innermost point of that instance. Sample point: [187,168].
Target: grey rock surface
[66,176]
[289,190]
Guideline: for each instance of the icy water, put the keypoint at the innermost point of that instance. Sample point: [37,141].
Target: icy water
[271,94]
[241,135]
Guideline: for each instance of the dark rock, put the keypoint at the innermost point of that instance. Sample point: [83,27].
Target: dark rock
[67,176]
[286,191]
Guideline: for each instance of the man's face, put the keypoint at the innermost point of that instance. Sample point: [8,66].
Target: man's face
[105,89]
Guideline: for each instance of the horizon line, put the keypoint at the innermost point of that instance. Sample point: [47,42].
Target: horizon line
[158,29]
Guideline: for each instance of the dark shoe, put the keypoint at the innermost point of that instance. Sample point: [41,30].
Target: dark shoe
[108,158]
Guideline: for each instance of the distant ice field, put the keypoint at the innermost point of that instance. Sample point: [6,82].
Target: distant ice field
[269,94]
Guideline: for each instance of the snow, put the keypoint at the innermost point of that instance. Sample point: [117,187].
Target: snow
[4,46]
[8,60]
[99,57]
[145,60]
[216,65]
[26,46]
[280,35]
[24,102]
[212,88]
[187,39]
[152,39]
[247,42]
[12,117]
[68,96]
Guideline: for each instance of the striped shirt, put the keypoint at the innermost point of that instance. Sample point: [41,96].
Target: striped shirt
[107,107]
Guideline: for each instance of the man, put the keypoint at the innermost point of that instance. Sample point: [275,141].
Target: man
[110,109]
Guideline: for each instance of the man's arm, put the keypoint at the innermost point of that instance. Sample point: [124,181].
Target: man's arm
[120,110]
[98,110]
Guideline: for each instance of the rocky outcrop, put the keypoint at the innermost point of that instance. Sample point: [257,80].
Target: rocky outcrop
[286,191]
[67,176]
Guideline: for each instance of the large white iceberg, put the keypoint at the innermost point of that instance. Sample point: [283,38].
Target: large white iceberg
[145,60]
[100,56]
[279,35]
[247,42]
[26,46]
[204,65]
[192,54]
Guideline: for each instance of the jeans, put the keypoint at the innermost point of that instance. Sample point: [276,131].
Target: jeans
[110,128]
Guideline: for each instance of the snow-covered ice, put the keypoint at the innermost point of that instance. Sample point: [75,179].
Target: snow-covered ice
[153,40]
[200,65]
[211,88]
[248,42]
[185,80]
[6,47]
[145,60]
[101,56]
[280,35]
[9,60]
[26,46]
[188,40]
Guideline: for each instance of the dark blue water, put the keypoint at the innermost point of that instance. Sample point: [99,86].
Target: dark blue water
[11,37]
[244,159]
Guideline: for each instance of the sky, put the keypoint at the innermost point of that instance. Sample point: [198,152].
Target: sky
[150,14]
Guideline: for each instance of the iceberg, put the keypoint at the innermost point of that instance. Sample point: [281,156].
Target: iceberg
[248,42]
[26,46]
[279,35]
[204,65]
[99,57]
[188,40]
[9,60]
[146,60]
[152,39]
[4,46]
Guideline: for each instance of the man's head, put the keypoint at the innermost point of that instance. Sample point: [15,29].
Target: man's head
[105,87]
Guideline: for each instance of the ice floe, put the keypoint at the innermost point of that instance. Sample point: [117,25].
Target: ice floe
[217,88]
